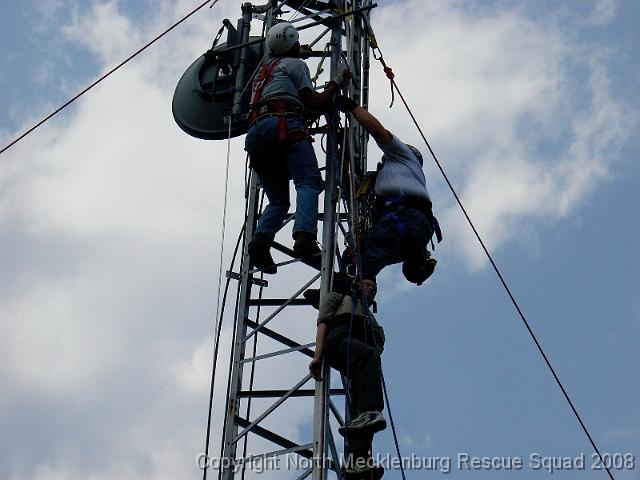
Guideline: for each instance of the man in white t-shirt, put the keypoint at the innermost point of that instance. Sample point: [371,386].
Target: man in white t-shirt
[403,222]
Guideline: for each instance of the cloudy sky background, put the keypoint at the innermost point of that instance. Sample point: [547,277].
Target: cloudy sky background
[110,221]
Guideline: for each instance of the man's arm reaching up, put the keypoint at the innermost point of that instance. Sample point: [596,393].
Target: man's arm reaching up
[370,123]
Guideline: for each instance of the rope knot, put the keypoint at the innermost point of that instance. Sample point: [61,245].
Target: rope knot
[389,72]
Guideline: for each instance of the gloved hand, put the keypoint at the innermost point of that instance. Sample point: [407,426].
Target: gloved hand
[305,51]
[345,104]
[343,75]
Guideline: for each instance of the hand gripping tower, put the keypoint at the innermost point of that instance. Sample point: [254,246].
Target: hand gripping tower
[212,102]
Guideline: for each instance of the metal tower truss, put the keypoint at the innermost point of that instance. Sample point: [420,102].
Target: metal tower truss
[266,397]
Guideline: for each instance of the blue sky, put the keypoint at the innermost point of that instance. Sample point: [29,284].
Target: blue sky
[110,231]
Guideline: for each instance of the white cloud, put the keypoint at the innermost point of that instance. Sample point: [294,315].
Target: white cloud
[604,11]
[94,30]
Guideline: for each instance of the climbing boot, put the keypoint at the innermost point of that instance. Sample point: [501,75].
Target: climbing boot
[367,473]
[261,258]
[366,422]
[306,248]
[313,297]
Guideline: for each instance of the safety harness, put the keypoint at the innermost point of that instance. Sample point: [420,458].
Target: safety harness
[374,207]
[277,107]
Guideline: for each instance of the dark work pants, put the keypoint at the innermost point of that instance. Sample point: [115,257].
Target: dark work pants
[360,363]
[398,232]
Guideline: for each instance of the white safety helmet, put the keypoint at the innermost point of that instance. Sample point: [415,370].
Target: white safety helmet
[281,37]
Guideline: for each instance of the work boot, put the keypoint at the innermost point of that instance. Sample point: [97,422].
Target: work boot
[306,248]
[366,473]
[261,258]
[366,422]
[313,296]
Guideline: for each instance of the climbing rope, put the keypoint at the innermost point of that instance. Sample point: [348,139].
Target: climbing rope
[224,220]
[393,424]
[494,265]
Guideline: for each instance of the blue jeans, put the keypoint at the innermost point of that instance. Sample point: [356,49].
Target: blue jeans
[275,164]
[396,234]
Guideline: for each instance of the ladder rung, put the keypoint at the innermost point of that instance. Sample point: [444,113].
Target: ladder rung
[276,302]
[279,338]
[256,281]
[280,393]
[272,437]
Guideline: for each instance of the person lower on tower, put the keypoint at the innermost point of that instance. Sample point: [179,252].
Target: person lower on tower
[351,341]
[279,145]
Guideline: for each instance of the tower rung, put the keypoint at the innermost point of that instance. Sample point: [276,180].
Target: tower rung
[273,437]
[276,302]
[278,440]
[280,393]
[279,338]
[256,281]
[277,353]
[280,308]
[287,251]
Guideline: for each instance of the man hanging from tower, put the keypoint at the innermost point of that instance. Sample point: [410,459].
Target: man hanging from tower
[402,222]
[280,147]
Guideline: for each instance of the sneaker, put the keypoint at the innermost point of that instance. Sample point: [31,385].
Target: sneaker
[261,258]
[369,472]
[306,248]
[366,422]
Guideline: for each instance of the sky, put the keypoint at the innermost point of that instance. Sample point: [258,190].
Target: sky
[110,233]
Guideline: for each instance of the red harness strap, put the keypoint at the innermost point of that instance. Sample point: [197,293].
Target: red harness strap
[282,121]
[280,106]
[264,76]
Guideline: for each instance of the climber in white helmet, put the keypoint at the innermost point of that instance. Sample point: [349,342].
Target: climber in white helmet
[280,147]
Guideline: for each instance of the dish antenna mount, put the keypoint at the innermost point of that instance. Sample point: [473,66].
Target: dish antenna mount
[214,90]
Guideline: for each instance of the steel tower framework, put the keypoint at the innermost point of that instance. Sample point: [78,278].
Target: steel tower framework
[341,21]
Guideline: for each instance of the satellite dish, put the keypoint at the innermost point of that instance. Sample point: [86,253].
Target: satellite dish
[204,94]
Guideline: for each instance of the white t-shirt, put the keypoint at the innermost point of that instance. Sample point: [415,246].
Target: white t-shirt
[401,173]
[289,77]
